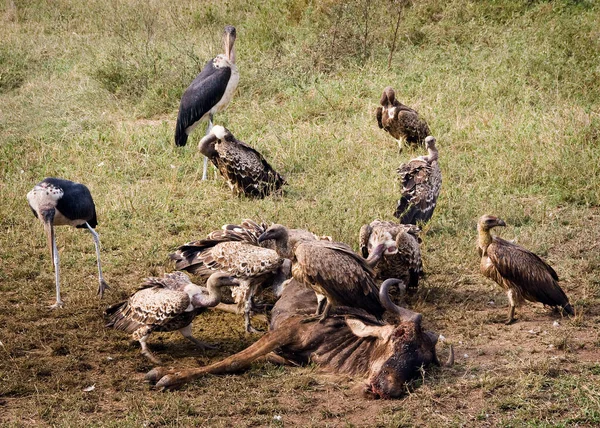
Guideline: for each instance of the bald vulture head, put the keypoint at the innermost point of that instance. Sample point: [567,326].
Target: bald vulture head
[488,222]
[388,98]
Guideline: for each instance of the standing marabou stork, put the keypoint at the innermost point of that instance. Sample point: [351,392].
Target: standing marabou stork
[209,93]
[58,202]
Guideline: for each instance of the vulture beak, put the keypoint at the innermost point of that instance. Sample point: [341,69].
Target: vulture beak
[264,236]
[206,146]
[500,222]
[375,255]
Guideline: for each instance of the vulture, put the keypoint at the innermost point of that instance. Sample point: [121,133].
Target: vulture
[238,254]
[209,93]
[245,170]
[337,275]
[523,275]
[401,121]
[393,251]
[60,202]
[166,304]
[421,181]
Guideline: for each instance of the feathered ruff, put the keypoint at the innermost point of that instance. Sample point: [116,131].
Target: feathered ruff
[526,274]
[405,263]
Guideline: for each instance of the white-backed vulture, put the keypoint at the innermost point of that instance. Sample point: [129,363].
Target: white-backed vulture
[393,251]
[245,170]
[238,256]
[523,274]
[421,181]
[166,304]
[337,274]
[400,121]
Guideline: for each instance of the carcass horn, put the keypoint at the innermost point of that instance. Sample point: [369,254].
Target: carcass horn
[384,297]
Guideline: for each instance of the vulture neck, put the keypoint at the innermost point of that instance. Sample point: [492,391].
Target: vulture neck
[432,155]
[484,239]
[201,300]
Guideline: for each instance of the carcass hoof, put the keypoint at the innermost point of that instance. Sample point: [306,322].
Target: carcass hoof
[170,381]
[155,374]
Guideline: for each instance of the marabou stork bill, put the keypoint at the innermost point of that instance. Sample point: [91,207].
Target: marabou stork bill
[209,93]
[59,202]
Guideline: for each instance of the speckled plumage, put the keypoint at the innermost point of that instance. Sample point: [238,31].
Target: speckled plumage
[401,258]
[523,274]
[163,304]
[245,169]
[401,121]
[237,253]
[421,181]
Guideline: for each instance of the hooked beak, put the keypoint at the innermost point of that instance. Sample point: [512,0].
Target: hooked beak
[500,222]
[265,236]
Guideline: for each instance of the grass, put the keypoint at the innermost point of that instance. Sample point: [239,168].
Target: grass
[89,92]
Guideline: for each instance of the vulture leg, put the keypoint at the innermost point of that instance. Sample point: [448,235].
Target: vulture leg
[322,312]
[248,306]
[102,283]
[208,128]
[55,260]
[146,352]
[187,333]
[511,311]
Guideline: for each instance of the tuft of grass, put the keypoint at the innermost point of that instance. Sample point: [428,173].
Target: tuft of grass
[89,91]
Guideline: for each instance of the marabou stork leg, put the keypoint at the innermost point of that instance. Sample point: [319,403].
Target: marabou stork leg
[208,128]
[102,284]
[55,260]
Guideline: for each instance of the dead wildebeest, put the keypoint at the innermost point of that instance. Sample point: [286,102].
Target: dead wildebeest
[350,342]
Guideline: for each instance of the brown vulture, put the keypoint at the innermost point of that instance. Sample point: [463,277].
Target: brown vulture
[245,170]
[401,121]
[393,251]
[337,274]
[520,272]
[166,304]
[238,254]
[421,181]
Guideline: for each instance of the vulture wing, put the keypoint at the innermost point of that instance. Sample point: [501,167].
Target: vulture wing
[536,280]
[247,169]
[342,274]
[204,93]
[240,259]
[421,184]
[154,306]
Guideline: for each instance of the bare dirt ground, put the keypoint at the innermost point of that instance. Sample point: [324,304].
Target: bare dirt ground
[63,368]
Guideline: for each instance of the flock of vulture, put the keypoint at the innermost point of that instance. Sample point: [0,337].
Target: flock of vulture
[242,261]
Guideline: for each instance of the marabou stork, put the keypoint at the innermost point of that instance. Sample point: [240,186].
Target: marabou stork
[209,93]
[59,202]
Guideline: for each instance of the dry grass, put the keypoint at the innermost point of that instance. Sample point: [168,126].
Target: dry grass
[89,92]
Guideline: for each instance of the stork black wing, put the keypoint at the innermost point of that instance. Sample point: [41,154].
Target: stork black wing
[76,203]
[203,94]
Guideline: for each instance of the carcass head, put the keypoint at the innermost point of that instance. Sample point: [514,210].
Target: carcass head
[404,348]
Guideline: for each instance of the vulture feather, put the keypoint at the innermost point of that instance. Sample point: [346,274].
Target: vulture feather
[393,251]
[245,170]
[236,253]
[337,274]
[400,121]
[166,304]
[421,181]
[523,274]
